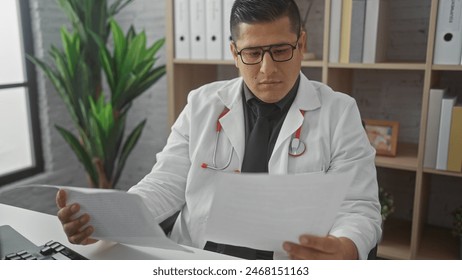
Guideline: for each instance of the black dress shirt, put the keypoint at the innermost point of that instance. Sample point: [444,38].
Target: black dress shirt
[276,120]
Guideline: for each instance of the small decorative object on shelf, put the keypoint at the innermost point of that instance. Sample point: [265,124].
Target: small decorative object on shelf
[383,136]
[386,203]
[457,227]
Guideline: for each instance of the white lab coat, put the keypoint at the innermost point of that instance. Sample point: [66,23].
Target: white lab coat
[331,130]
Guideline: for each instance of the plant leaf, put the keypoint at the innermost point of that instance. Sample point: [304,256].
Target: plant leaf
[80,152]
[128,146]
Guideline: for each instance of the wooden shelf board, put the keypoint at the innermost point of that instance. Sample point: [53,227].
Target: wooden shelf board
[203,61]
[438,244]
[312,63]
[396,240]
[447,67]
[383,66]
[406,158]
[443,172]
[305,63]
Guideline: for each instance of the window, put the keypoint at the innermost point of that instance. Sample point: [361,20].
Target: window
[20,145]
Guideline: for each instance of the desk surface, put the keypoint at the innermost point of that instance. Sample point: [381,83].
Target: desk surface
[41,228]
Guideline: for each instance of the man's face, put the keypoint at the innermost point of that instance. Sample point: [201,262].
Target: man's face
[270,81]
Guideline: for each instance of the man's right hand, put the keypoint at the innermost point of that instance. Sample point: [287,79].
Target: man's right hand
[76,228]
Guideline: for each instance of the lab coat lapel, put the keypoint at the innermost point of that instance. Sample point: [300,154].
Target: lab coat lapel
[233,121]
[279,158]
[306,100]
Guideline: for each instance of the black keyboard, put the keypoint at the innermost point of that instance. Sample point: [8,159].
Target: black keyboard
[14,246]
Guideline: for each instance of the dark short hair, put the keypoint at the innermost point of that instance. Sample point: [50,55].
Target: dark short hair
[263,11]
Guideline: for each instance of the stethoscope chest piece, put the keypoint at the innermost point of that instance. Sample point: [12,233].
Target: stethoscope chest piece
[297,147]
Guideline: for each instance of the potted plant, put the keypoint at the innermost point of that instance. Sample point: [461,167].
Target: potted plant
[386,203]
[457,227]
[76,74]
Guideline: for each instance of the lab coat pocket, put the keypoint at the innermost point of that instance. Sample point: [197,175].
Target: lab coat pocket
[312,160]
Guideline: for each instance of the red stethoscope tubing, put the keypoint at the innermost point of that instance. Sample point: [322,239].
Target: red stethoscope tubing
[295,144]
[297,147]
[217,138]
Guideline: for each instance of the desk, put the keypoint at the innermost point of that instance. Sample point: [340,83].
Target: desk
[41,228]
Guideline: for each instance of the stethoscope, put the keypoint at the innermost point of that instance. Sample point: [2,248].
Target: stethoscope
[296,147]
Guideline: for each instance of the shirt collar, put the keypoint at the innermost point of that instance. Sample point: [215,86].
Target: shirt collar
[248,94]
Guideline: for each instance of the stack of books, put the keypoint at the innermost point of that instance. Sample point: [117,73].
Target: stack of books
[357,31]
[443,142]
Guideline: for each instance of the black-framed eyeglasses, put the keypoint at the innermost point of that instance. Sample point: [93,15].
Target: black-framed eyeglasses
[278,52]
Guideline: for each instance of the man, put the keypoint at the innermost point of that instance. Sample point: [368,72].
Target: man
[259,113]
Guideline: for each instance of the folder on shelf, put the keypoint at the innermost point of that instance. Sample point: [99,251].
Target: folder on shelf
[345,31]
[334,35]
[214,21]
[448,37]
[455,140]
[375,31]
[358,14]
[227,6]
[198,27]
[181,29]
[433,127]
[445,128]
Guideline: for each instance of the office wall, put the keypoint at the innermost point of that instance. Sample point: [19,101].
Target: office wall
[61,166]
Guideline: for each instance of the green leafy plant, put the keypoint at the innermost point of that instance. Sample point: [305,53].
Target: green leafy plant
[386,203]
[457,221]
[76,73]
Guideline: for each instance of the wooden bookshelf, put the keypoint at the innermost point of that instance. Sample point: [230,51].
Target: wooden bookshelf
[396,240]
[381,66]
[447,67]
[412,239]
[406,158]
[441,172]
[202,62]
[438,244]
[312,63]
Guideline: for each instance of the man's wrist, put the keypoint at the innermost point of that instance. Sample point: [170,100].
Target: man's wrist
[350,252]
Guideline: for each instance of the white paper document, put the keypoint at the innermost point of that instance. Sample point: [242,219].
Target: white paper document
[262,211]
[119,216]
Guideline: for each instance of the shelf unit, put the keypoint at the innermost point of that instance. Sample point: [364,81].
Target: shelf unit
[411,238]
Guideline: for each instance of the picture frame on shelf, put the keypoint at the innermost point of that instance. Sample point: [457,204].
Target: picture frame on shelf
[383,136]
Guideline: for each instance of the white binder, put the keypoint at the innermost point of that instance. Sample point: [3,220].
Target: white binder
[375,31]
[358,16]
[182,32]
[448,37]
[197,29]
[334,35]
[214,29]
[227,6]
[370,30]
[433,127]
[445,130]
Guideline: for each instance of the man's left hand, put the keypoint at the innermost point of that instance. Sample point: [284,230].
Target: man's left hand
[321,248]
